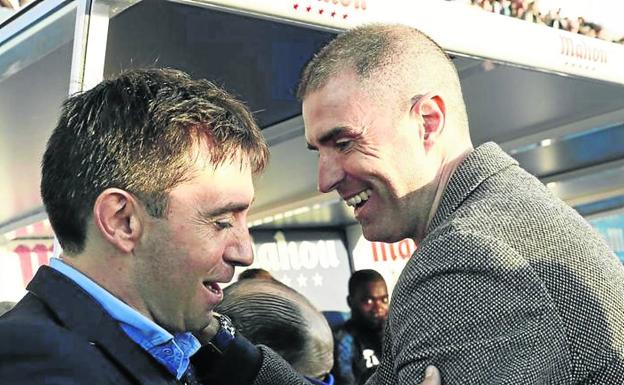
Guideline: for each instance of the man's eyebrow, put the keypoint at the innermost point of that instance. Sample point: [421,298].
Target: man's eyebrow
[229,208]
[328,137]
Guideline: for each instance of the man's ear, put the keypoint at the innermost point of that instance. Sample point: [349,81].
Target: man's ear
[117,215]
[349,302]
[432,109]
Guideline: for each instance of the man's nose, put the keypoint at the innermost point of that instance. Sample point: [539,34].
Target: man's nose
[330,173]
[239,252]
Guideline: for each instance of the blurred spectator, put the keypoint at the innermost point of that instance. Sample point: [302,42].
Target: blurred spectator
[357,343]
[505,8]
[255,273]
[529,10]
[5,306]
[532,13]
[270,313]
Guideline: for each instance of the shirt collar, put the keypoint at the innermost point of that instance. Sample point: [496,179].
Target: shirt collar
[171,351]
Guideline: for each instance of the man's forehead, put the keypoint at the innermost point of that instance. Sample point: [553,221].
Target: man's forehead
[330,120]
[202,154]
[370,286]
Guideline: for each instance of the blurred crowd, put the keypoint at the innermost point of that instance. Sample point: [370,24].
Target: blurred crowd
[529,10]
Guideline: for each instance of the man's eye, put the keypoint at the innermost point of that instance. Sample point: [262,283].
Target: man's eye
[223,224]
[342,144]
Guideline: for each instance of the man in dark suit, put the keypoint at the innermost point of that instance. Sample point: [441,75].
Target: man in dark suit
[147,181]
[509,285]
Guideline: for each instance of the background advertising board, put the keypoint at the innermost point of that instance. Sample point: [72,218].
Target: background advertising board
[611,228]
[387,258]
[19,263]
[313,262]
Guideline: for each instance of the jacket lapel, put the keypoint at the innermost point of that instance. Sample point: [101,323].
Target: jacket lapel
[82,314]
[486,160]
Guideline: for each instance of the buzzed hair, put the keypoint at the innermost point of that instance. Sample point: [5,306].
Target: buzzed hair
[270,313]
[409,62]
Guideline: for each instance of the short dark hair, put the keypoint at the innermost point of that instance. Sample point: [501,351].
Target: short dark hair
[362,277]
[365,49]
[390,60]
[270,313]
[137,132]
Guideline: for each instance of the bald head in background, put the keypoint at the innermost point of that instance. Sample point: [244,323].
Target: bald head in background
[270,313]
[255,273]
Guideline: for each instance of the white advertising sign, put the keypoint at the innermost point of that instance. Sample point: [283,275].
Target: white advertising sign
[18,264]
[313,262]
[387,258]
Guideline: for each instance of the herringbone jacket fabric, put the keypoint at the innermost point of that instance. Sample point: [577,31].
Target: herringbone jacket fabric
[510,286]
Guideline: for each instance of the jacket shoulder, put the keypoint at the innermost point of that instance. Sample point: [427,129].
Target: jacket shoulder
[36,349]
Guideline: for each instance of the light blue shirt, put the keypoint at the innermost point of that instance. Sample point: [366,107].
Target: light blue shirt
[173,352]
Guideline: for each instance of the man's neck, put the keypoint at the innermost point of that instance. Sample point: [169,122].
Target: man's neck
[446,172]
[99,268]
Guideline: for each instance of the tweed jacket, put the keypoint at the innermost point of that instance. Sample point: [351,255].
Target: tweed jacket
[509,286]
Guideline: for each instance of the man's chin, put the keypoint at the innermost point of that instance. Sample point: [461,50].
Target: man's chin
[376,325]
[376,234]
[200,323]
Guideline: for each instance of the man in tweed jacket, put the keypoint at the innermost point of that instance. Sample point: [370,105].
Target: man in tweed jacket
[509,285]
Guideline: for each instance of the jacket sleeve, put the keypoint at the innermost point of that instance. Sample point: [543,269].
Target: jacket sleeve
[471,306]
[243,363]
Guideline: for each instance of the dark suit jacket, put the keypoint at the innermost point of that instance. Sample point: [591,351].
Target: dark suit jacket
[510,286]
[58,334]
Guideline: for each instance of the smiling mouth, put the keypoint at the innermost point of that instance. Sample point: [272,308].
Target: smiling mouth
[359,199]
[213,287]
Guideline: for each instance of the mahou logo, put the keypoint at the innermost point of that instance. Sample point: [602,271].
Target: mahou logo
[283,255]
[582,52]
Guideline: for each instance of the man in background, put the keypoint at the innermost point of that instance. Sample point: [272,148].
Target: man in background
[508,285]
[270,313]
[358,342]
[147,181]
